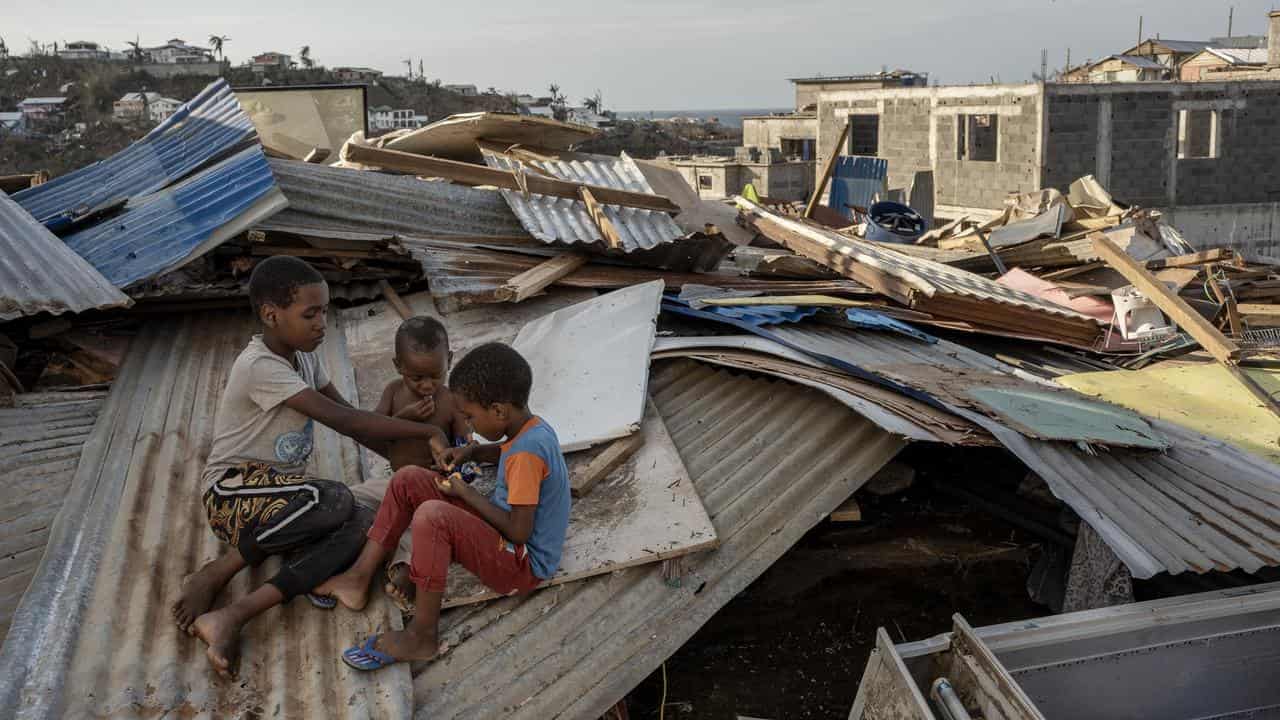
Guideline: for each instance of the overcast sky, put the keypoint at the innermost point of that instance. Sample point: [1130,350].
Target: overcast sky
[650,55]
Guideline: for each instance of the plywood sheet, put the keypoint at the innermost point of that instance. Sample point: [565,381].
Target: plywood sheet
[1205,398]
[455,137]
[645,511]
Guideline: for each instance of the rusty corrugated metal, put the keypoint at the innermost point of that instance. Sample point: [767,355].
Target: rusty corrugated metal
[96,636]
[1202,505]
[561,220]
[39,273]
[766,477]
[40,441]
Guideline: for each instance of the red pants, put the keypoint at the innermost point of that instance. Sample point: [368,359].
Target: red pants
[446,529]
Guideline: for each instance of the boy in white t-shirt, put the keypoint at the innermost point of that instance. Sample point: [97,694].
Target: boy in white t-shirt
[259,501]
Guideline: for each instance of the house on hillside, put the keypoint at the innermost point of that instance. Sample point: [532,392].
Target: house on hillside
[584,116]
[1210,63]
[178,52]
[163,109]
[270,61]
[384,117]
[465,90]
[12,123]
[1128,68]
[37,111]
[83,50]
[1168,53]
[134,106]
[357,74]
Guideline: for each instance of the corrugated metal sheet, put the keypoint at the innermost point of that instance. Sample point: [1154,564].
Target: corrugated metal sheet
[561,220]
[338,199]
[39,273]
[1202,505]
[40,441]
[766,477]
[160,232]
[209,127]
[857,180]
[96,636]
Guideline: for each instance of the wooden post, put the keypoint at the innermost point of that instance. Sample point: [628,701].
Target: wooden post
[827,170]
[608,232]
[537,278]
[606,462]
[397,302]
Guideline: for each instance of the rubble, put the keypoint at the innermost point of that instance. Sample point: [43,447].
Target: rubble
[724,376]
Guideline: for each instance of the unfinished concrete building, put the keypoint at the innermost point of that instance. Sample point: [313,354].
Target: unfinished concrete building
[766,170]
[1205,153]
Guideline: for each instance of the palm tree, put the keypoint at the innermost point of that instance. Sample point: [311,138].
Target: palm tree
[305,56]
[136,52]
[408,63]
[216,42]
[595,103]
[4,49]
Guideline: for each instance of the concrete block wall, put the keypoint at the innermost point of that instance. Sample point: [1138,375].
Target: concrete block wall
[1073,131]
[918,132]
[1143,138]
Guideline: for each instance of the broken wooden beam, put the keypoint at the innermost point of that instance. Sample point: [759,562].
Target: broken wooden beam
[536,279]
[849,511]
[826,171]
[1218,345]
[1197,258]
[470,174]
[402,308]
[606,462]
[608,232]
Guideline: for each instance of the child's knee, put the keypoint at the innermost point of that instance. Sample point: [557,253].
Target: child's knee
[432,514]
[408,477]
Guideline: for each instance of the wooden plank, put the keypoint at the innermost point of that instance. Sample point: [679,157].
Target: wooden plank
[849,511]
[1197,258]
[606,462]
[469,174]
[1217,344]
[826,171]
[536,279]
[317,155]
[1228,305]
[394,299]
[1257,258]
[647,510]
[1259,309]
[1065,273]
[608,232]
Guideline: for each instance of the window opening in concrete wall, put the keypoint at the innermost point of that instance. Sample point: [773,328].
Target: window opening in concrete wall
[797,147]
[864,135]
[704,182]
[978,137]
[1198,135]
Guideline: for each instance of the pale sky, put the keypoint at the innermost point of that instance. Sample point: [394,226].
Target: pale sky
[649,55]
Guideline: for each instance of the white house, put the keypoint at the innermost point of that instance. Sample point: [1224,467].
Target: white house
[132,106]
[83,50]
[584,116]
[161,109]
[177,51]
[467,90]
[383,117]
[270,61]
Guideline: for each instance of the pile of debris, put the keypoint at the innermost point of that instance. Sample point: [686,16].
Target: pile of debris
[723,376]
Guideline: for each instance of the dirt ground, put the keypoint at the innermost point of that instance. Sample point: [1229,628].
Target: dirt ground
[794,644]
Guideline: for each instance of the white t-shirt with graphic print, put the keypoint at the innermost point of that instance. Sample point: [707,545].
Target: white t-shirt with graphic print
[253,424]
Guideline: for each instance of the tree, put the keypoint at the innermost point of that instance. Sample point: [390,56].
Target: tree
[408,63]
[4,49]
[422,76]
[216,42]
[558,109]
[595,103]
[135,51]
[305,56]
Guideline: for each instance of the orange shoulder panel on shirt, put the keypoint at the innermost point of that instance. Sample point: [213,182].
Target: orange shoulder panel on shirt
[525,473]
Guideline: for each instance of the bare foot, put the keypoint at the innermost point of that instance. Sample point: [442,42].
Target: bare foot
[407,645]
[400,588]
[222,634]
[349,588]
[201,588]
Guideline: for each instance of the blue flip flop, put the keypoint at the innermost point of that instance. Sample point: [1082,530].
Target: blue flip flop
[366,657]
[324,602]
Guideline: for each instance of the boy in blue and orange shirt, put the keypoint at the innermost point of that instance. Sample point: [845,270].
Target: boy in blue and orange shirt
[511,541]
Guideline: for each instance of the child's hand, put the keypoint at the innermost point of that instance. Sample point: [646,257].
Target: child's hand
[450,485]
[439,452]
[420,411]
[455,456]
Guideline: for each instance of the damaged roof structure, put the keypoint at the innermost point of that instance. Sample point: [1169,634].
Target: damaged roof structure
[742,369]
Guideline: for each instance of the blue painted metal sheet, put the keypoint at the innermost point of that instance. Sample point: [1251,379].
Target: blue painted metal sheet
[856,180]
[872,320]
[162,231]
[206,129]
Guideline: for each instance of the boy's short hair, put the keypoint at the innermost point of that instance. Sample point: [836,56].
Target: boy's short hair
[276,279]
[421,334]
[493,373]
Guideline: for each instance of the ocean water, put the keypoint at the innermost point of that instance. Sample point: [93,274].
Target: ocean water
[730,117]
